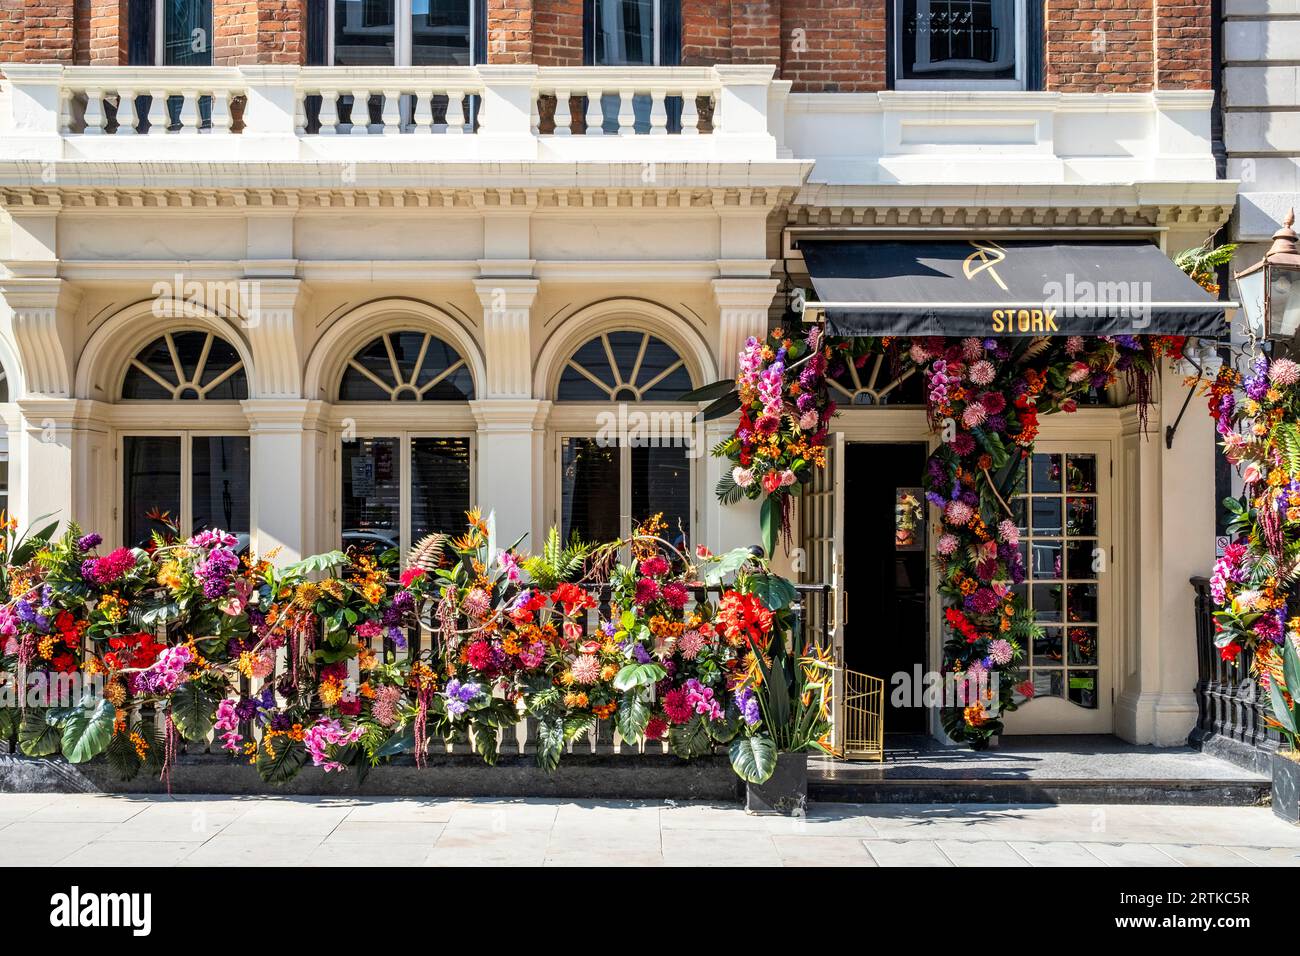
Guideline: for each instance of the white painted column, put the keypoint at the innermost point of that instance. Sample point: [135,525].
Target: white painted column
[511,466]
[45,460]
[1165,536]
[284,436]
[730,526]
[743,306]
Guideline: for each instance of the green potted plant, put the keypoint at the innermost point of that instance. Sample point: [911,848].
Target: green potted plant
[784,699]
[1282,683]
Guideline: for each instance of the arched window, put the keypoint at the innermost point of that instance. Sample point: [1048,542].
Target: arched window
[406,367]
[874,383]
[186,366]
[624,367]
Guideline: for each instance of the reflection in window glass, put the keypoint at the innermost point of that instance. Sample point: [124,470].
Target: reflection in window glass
[219,483]
[364,33]
[623,32]
[590,490]
[151,485]
[440,33]
[439,485]
[187,32]
[956,39]
[372,494]
[1062,562]
[661,484]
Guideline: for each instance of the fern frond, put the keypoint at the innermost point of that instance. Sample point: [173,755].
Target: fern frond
[427,552]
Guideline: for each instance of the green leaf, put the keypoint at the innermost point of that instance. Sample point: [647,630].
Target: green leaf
[1281,712]
[290,756]
[122,757]
[715,572]
[633,715]
[722,406]
[193,711]
[723,731]
[774,591]
[769,522]
[691,739]
[710,392]
[38,737]
[88,729]
[10,717]
[550,744]
[316,564]
[753,758]
[485,740]
[638,675]
[399,743]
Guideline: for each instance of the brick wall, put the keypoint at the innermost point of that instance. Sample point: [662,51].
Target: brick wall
[108,24]
[1184,58]
[819,45]
[833,45]
[510,31]
[557,32]
[48,31]
[1099,46]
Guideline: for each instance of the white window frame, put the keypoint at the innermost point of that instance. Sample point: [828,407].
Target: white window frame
[655,41]
[404,437]
[184,520]
[403,34]
[160,33]
[970,83]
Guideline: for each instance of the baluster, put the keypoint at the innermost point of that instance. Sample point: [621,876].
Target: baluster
[329,113]
[690,117]
[658,113]
[626,114]
[189,112]
[563,113]
[221,120]
[455,112]
[65,110]
[535,114]
[392,114]
[159,119]
[299,113]
[422,112]
[94,112]
[595,113]
[125,112]
[360,112]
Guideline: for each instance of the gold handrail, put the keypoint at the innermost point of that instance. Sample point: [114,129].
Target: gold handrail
[864,716]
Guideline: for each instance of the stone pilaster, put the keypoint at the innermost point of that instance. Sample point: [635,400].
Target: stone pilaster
[743,306]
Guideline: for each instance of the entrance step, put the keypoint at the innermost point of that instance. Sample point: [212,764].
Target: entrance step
[1064,769]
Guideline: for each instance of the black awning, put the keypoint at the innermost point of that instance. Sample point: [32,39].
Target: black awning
[1022,287]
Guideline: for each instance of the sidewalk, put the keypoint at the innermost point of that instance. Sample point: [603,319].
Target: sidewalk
[101,830]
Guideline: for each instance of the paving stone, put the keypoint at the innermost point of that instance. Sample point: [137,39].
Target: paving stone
[906,853]
[1055,854]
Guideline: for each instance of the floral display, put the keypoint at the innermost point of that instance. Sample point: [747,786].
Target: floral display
[342,663]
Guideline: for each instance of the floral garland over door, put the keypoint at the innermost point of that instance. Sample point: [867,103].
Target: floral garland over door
[984,398]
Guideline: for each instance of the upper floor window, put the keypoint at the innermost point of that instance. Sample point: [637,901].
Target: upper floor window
[404,33]
[190,365]
[632,32]
[170,33]
[961,44]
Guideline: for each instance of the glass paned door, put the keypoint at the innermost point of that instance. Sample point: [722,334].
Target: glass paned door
[605,489]
[397,489]
[1064,541]
[151,485]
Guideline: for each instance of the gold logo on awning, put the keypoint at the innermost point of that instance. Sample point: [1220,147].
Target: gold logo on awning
[989,255]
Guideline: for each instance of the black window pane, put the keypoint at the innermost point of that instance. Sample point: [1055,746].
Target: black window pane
[576,387]
[372,490]
[364,33]
[590,490]
[140,33]
[439,485]
[151,485]
[670,388]
[593,357]
[661,484]
[219,483]
[957,39]
[623,32]
[187,32]
[440,33]
[317,32]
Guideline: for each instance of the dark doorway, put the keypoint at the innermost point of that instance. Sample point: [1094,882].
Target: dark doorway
[885,570]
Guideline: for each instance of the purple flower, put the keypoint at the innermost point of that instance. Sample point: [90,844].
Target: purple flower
[459,696]
[747,704]
[89,541]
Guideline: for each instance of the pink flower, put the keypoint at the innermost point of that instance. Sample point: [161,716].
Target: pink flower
[690,644]
[982,372]
[585,669]
[1008,532]
[974,415]
[675,594]
[1251,473]
[946,545]
[1001,651]
[646,591]
[743,477]
[1074,345]
[1078,372]
[656,566]
[411,575]
[808,420]
[958,513]
[1284,372]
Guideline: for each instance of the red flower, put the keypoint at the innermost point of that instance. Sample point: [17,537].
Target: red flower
[411,575]
[572,598]
[478,655]
[675,594]
[772,481]
[676,707]
[744,618]
[655,728]
[65,663]
[655,567]
[350,708]
[1230,652]
[646,591]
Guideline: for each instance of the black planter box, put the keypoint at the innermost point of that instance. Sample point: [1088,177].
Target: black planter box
[785,793]
[1286,787]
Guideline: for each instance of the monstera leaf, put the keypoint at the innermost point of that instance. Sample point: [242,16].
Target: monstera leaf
[37,735]
[753,758]
[194,711]
[88,729]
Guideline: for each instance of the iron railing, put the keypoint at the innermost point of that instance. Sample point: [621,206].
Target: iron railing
[1231,718]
